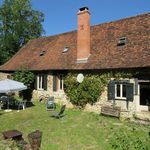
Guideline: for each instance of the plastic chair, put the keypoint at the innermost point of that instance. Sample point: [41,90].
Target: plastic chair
[21,104]
[50,105]
[60,113]
[4,101]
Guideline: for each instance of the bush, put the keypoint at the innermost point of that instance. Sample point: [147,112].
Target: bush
[27,78]
[86,92]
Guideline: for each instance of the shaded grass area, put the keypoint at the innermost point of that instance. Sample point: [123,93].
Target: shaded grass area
[77,130]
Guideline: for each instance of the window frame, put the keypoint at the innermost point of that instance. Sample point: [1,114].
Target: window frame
[121,91]
[40,82]
[59,83]
[122,41]
[65,50]
[130,88]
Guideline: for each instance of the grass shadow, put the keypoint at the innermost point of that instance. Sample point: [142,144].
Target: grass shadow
[16,106]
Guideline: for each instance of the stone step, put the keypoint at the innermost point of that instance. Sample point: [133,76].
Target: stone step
[142,118]
[145,116]
[138,121]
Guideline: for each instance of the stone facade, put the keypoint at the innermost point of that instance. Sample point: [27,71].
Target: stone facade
[57,94]
[38,93]
[128,108]
[4,75]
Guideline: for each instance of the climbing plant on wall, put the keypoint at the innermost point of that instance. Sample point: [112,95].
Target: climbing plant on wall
[91,88]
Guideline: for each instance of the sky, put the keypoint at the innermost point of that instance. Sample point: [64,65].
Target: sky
[61,15]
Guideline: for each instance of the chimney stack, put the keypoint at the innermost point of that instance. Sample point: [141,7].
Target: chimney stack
[83,35]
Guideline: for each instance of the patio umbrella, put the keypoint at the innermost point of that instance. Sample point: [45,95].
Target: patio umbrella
[8,85]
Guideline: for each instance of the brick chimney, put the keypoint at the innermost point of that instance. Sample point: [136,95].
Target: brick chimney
[83,35]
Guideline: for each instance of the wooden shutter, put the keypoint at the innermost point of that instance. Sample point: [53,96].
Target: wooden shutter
[54,83]
[111,90]
[130,91]
[45,82]
[136,86]
[35,83]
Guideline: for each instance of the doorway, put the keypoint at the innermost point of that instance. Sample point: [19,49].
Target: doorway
[145,96]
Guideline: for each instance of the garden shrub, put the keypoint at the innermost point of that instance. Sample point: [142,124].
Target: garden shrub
[26,77]
[86,92]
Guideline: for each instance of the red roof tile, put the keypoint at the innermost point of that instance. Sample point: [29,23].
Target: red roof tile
[105,54]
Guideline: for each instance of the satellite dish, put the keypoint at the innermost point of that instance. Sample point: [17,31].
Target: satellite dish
[80,77]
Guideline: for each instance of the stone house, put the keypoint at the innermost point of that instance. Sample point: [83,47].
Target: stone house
[119,45]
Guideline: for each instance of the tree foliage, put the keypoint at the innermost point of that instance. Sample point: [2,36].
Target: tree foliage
[27,78]
[18,24]
[24,76]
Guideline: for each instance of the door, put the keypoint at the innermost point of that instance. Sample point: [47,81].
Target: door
[145,96]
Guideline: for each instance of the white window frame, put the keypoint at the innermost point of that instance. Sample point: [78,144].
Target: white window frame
[61,82]
[40,79]
[121,92]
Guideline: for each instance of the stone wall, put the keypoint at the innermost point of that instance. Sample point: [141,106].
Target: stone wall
[4,75]
[58,95]
[127,108]
[38,93]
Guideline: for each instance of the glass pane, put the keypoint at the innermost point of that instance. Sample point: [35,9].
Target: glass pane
[123,90]
[39,81]
[118,90]
[42,81]
[61,83]
[54,83]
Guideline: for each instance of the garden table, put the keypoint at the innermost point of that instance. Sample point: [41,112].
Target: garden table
[14,134]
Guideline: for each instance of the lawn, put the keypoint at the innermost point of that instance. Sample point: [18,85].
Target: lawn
[77,130]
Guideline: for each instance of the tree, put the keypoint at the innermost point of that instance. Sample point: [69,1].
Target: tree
[27,78]
[24,76]
[18,24]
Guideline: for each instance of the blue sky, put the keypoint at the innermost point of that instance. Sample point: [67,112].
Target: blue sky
[60,15]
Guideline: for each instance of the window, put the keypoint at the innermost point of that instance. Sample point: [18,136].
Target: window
[55,83]
[65,49]
[120,91]
[42,52]
[122,41]
[58,83]
[61,82]
[42,82]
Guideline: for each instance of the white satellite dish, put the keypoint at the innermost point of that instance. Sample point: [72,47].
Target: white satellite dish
[80,77]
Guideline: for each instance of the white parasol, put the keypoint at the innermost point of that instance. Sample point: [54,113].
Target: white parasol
[8,85]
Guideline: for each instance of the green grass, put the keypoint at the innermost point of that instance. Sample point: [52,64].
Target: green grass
[77,130]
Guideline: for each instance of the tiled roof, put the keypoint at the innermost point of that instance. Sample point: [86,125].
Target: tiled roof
[46,53]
